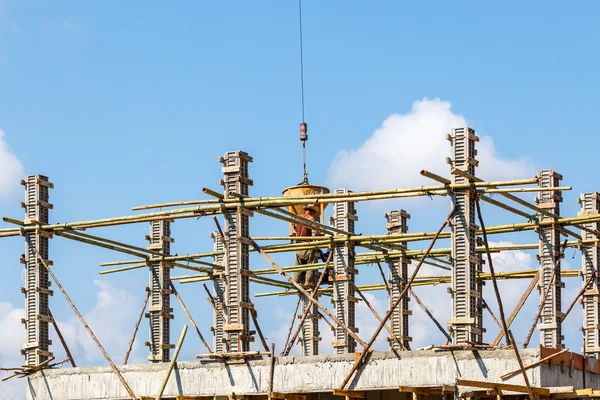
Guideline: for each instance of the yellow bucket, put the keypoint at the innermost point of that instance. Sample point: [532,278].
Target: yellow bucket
[302,190]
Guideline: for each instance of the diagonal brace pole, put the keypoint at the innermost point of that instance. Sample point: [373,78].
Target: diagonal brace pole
[313,295]
[86,326]
[62,339]
[508,333]
[135,329]
[304,292]
[387,316]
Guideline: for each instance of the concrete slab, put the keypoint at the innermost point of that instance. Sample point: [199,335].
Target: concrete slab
[384,370]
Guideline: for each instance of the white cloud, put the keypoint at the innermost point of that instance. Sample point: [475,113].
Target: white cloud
[12,337]
[12,170]
[438,301]
[405,144]
[112,320]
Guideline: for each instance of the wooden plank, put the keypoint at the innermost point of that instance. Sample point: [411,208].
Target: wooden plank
[427,390]
[350,393]
[534,364]
[414,389]
[478,394]
[502,386]
[576,393]
[287,396]
[233,327]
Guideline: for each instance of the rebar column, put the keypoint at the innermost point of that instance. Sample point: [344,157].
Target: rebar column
[550,325]
[466,293]
[160,312]
[237,267]
[590,257]
[344,301]
[397,278]
[310,337]
[219,288]
[36,348]
[310,328]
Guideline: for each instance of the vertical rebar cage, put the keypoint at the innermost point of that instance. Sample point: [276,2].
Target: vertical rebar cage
[398,277]
[466,292]
[36,349]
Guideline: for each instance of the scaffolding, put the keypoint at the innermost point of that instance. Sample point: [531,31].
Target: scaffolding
[228,267]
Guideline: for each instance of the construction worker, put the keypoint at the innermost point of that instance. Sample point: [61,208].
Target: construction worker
[308,256]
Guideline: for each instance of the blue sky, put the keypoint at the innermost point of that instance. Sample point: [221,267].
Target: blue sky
[123,104]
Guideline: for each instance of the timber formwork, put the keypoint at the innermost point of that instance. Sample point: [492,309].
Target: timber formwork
[344,299]
[37,285]
[397,278]
[550,255]
[160,312]
[219,289]
[466,292]
[237,234]
[590,205]
[310,327]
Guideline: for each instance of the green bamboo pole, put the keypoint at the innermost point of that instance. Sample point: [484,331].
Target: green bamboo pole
[128,268]
[342,195]
[435,280]
[217,208]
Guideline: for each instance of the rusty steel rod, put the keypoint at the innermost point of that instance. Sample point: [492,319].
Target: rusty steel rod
[62,339]
[387,316]
[187,313]
[304,292]
[517,308]
[86,326]
[376,314]
[313,295]
[135,329]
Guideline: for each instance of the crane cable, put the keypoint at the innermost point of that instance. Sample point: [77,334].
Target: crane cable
[304,137]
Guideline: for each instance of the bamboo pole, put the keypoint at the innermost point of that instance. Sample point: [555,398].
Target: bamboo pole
[518,307]
[135,329]
[578,295]
[187,313]
[383,278]
[419,302]
[538,362]
[539,310]
[62,339]
[376,314]
[429,313]
[331,327]
[304,292]
[124,262]
[525,190]
[507,207]
[287,339]
[128,268]
[85,325]
[187,257]
[492,272]
[336,195]
[212,302]
[254,316]
[189,212]
[358,362]
[489,310]
[172,363]
[306,309]
[532,396]
[438,280]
